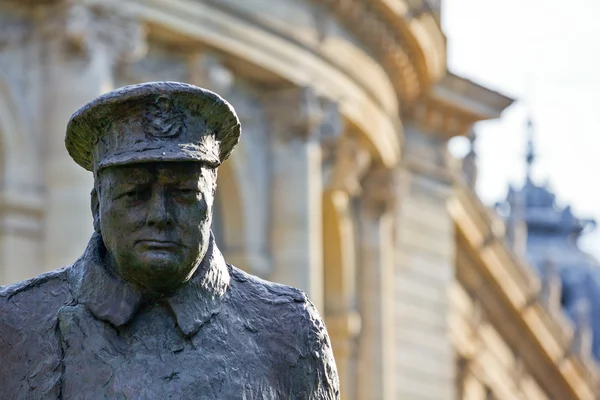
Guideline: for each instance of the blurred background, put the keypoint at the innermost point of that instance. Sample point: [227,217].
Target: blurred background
[422,169]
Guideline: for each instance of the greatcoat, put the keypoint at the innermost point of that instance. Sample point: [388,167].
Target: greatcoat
[81,332]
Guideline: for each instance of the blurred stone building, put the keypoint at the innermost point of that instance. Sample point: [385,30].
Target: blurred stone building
[342,184]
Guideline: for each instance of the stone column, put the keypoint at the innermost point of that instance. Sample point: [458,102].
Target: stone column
[375,377]
[21,208]
[81,44]
[424,271]
[345,163]
[295,119]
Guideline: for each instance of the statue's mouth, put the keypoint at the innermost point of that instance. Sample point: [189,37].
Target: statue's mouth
[156,244]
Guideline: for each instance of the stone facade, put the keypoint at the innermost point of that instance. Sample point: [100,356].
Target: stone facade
[341,185]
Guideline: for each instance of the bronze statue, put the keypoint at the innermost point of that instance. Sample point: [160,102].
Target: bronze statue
[151,310]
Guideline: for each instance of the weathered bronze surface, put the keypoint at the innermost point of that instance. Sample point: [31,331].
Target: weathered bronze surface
[151,310]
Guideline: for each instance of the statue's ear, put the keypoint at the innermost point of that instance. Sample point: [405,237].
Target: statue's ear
[95,204]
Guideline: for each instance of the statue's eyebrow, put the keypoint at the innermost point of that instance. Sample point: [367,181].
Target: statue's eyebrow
[134,179]
[180,175]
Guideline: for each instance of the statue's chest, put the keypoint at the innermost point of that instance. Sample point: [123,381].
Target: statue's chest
[152,359]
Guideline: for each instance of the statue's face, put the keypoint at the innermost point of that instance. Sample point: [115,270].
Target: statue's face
[155,220]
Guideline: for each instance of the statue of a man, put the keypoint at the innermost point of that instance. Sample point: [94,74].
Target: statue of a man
[151,310]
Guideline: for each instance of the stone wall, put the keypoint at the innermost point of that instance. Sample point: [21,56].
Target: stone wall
[423,273]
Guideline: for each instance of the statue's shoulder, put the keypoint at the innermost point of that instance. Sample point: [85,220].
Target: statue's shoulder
[284,310]
[41,293]
[290,327]
[29,340]
[257,289]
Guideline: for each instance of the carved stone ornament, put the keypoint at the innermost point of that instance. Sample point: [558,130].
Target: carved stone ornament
[379,190]
[84,29]
[294,113]
[550,290]
[469,162]
[582,336]
[376,30]
[13,29]
[351,163]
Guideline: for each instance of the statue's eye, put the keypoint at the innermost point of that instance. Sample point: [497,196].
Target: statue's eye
[188,192]
[132,194]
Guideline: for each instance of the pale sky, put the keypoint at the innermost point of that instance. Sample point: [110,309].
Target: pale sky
[547,53]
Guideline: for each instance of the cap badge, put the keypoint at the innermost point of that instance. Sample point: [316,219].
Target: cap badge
[163,119]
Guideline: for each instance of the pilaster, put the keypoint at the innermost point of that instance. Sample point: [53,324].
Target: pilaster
[295,117]
[375,377]
[21,206]
[424,271]
[345,163]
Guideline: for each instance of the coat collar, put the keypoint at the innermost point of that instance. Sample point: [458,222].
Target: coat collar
[111,299]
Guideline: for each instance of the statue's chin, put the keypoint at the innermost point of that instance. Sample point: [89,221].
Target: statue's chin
[158,272]
[158,262]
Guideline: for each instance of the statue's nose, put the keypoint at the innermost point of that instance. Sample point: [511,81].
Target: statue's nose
[159,213]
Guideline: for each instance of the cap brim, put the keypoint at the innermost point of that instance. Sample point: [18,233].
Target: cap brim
[160,155]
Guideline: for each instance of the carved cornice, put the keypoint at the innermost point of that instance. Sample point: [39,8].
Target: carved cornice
[417,23]
[453,105]
[439,118]
[409,42]
[360,17]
